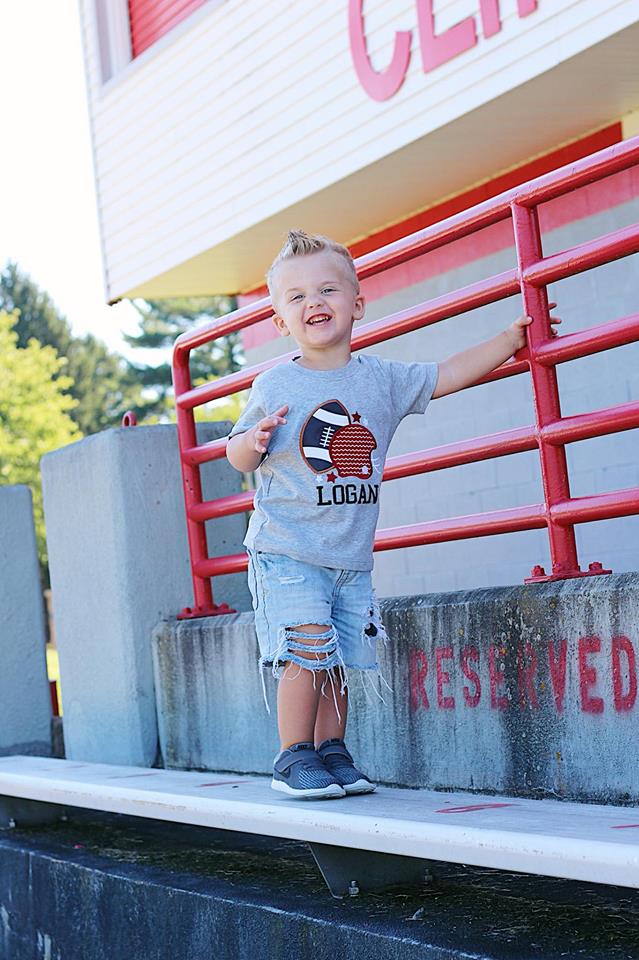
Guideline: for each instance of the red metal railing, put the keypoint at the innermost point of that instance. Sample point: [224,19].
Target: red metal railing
[559,512]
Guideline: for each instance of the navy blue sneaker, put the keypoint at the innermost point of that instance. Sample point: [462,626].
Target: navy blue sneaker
[339,763]
[298,771]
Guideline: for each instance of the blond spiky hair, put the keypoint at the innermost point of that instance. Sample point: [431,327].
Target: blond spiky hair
[301,244]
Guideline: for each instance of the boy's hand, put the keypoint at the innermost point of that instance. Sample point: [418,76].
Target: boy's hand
[517,330]
[260,435]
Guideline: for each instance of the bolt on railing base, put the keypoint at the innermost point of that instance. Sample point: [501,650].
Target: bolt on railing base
[539,575]
[210,610]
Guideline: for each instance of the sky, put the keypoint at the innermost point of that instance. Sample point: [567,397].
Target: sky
[48,211]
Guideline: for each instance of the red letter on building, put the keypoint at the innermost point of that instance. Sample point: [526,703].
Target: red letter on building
[418,674]
[379,86]
[496,680]
[588,675]
[439,49]
[471,653]
[489,13]
[557,669]
[623,701]
[525,7]
[443,653]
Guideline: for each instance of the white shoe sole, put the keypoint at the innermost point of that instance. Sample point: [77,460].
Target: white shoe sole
[318,793]
[360,786]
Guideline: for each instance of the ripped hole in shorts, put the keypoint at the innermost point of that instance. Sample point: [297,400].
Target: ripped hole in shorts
[285,581]
[373,628]
[327,657]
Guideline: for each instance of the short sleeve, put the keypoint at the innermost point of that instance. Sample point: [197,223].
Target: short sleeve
[412,386]
[253,412]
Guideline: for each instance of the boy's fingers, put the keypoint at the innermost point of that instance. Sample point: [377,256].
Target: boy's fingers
[282,411]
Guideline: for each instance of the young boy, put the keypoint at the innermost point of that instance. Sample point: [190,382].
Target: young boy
[318,428]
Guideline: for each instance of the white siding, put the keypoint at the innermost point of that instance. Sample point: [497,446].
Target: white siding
[251,108]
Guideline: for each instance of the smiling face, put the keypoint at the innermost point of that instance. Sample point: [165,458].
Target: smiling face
[317,302]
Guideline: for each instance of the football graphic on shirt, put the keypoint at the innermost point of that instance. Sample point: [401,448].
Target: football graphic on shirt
[330,440]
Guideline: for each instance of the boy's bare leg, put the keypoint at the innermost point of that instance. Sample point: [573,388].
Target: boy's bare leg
[298,694]
[327,724]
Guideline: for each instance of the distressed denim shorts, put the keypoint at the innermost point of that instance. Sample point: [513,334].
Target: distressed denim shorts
[288,593]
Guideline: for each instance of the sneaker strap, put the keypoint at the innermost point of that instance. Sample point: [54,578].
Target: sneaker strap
[334,747]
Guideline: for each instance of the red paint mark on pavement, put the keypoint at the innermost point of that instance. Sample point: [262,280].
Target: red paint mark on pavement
[475,806]
[624,826]
[220,783]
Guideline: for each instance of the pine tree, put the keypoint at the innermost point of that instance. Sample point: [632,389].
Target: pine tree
[161,322]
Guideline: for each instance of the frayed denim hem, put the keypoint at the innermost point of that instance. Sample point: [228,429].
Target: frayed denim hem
[288,641]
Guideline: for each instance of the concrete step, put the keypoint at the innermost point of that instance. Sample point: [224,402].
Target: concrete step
[545,837]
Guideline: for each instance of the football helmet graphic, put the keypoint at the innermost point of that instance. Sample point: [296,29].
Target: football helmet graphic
[331,441]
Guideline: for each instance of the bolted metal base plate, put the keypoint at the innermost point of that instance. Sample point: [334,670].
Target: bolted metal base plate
[17,812]
[348,871]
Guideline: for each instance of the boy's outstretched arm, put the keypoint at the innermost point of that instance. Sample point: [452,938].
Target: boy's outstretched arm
[246,450]
[465,368]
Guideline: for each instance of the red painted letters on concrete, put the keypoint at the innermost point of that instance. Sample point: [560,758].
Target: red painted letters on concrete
[557,669]
[588,675]
[624,688]
[468,654]
[604,672]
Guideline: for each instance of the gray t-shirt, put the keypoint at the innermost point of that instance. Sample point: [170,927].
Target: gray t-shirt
[318,498]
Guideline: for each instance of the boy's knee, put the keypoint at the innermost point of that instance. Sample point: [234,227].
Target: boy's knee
[316,628]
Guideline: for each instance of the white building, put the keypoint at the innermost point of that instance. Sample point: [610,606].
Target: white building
[218,125]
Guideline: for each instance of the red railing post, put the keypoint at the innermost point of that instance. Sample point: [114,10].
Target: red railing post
[203,605]
[554,469]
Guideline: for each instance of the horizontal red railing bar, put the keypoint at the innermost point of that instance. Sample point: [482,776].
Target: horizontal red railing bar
[218,566]
[475,295]
[600,506]
[222,507]
[461,452]
[510,520]
[423,314]
[585,256]
[602,164]
[605,163]
[603,506]
[596,423]
[571,346]
[583,426]
[433,531]
[222,326]
[204,452]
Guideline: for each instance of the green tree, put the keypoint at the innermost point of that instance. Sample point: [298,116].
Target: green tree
[161,322]
[103,383]
[35,415]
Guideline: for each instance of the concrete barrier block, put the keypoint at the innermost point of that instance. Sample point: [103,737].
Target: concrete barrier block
[25,704]
[528,690]
[119,562]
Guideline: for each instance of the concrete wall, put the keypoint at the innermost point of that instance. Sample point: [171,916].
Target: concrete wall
[529,690]
[119,561]
[595,466]
[25,704]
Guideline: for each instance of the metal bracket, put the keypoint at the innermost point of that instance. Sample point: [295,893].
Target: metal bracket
[348,871]
[18,812]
